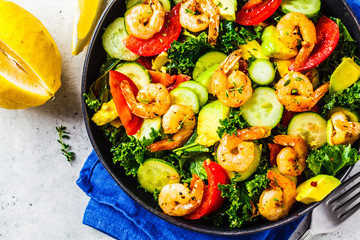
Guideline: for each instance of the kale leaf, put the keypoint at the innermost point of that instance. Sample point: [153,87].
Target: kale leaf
[231,124]
[331,159]
[348,98]
[131,152]
[183,55]
[232,35]
[241,208]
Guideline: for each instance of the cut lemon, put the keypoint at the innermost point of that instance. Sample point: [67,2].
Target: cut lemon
[30,62]
[86,16]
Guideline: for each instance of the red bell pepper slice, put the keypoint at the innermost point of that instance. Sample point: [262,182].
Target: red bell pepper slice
[163,78]
[131,122]
[178,79]
[212,199]
[161,41]
[328,34]
[254,14]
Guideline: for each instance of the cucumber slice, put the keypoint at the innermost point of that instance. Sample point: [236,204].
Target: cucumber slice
[351,116]
[156,173]
[311,127]
[148,124]
[136,72]
[185,96]
[308,7]
[205,77]
[207,60]
[112,40]
[199,89]
[329,131]
[262,71]
[166,4]
[263,108]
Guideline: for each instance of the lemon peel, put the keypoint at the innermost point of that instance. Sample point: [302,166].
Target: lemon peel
[30,62]
[86,16]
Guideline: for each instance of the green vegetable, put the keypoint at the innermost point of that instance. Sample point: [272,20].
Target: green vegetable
[330,160]
[99,91]
[241,208]
[184,55]
[131,152]
[232,35]
[63,134]
[348,98]
[231,124]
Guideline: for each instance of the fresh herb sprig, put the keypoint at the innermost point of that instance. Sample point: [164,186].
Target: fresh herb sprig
[63,134]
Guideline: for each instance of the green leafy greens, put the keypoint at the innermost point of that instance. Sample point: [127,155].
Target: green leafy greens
[183,55]
[331,159]
[232,123]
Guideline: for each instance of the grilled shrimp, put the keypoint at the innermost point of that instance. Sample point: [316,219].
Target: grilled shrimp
[288,28]
[276,201]
[345,132]
[155,94]
[208,17]
[295,92]
[231,86]
[144,20]
[237,152]
[291,160]
[178,120]
[176,199]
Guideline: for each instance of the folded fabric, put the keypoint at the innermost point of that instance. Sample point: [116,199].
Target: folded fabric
[355,6]
[113,212]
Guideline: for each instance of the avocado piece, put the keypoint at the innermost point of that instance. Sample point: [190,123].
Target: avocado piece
[241,176]
[292,178]
[209,121]
[106,114]
[205,77]
[227,9]
[316,189]
[273,47]
[345,75]
[252,49]
[282,65]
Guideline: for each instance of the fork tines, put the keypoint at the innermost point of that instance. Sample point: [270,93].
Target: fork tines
[339,204]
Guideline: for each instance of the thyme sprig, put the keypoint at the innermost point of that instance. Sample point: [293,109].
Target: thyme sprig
[63,134]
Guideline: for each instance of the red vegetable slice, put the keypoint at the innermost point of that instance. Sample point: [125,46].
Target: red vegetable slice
[163,78]
[131,122]
[177,80]
[328,34]
[212,199]
[254,14]
[161,41]
[145,62]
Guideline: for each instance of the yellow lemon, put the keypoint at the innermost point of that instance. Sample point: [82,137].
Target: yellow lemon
[30,62]
[86,16]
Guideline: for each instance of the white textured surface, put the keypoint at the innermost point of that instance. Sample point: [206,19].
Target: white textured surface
[38,195]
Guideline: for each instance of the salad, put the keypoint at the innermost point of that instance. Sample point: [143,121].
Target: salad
[229,111]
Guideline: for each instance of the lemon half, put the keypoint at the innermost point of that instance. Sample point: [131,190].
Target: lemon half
[30,62]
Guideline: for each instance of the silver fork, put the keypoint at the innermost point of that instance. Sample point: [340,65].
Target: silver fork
[335,209]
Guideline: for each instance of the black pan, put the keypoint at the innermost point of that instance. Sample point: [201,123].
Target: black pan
[96,55]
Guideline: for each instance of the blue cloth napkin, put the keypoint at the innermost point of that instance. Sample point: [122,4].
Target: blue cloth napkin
[113,212]
[355,5]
